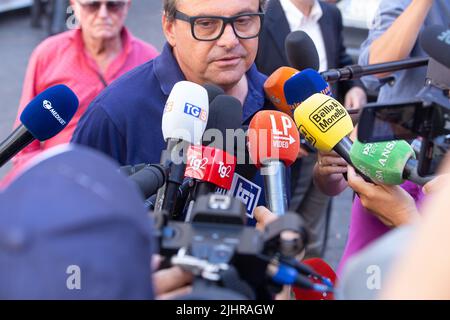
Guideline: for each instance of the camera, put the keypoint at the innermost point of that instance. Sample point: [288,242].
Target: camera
[426,117]
[224,254]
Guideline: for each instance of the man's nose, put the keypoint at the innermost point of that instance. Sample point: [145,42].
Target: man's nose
[228,38]
[103,11]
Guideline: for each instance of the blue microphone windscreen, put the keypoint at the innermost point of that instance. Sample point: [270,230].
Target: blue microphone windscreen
[303,85]
[49,112]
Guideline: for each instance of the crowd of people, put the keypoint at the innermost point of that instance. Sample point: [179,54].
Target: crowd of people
[123,84]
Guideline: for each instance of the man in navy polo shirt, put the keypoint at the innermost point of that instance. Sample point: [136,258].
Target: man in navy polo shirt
[124,121]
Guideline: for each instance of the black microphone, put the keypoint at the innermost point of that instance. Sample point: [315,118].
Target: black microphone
[225,114]
[149,179]
[213,91]
[357,71]
[43,118]
[301,51]
[435,40]
[130,170]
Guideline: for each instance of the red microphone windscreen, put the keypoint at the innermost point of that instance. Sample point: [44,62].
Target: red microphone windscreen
[272,135]
[210,165]
[322,268]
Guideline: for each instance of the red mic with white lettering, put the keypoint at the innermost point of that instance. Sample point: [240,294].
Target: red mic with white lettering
[210,165]
[273,144]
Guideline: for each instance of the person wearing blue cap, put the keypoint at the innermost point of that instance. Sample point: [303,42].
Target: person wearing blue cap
[84,234]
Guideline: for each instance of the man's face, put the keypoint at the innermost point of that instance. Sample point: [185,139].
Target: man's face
[223,61]
[103,22]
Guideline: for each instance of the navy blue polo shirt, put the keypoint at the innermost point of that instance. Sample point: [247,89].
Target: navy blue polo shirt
[124,121]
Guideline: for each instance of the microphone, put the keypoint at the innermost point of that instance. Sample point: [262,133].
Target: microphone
[303,85]
[325,271]
[435,40]
[325,124]
[149,179]
[274,88]
[43,118]
[225,118]
[301,51]
[183,123]
[211,167]
[130,170]
[357,71]
[390,162]
[273,144]
[213,91]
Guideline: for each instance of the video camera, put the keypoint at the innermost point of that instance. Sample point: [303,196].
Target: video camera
[231,260]
[427,116]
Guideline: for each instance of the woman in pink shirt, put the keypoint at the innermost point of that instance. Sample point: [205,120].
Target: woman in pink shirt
[86,60]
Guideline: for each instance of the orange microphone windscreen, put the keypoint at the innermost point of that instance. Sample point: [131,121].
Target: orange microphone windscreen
[274,88]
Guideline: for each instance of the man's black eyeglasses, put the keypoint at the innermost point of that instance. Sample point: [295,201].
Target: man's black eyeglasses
[211,28]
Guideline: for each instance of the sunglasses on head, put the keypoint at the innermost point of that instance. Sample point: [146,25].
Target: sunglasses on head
[111,6]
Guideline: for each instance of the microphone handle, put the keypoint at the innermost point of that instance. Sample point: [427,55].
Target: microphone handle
[410,173]
[176,176]
[343,149]
[203,188]
[14,143]
[174,158]
[275,186]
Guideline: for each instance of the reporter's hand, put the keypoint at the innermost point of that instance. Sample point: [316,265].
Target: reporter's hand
[330,163]
[355,98]
[170,283]
[436,184]
[263,217]
[392,205]
[328,173]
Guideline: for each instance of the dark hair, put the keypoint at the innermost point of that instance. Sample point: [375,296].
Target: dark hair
[170,7]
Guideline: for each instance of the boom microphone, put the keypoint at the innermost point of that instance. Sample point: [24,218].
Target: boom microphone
[43,118]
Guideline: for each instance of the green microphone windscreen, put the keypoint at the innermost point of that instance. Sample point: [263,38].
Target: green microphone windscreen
[383,162]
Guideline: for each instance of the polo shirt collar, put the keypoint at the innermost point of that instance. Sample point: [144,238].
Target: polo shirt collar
[167,70]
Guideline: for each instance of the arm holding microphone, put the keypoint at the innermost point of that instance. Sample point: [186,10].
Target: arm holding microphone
[393,24]
[392,205]
[328,173]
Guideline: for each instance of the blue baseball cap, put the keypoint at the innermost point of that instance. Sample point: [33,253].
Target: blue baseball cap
[72,227]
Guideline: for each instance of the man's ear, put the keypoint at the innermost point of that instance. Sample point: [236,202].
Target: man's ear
[168,26]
